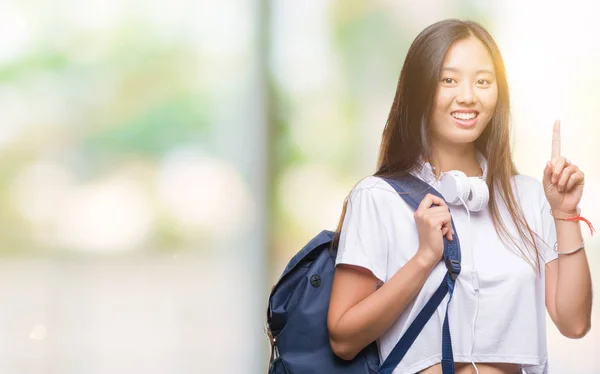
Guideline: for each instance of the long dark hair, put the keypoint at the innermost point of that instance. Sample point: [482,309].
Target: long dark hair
[407,130]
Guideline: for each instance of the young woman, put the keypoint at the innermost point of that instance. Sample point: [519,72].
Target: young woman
[520,256]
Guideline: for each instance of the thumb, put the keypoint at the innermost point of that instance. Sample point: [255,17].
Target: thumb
[548,173]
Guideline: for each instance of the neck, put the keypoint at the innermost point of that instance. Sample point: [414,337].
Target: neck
[463,158]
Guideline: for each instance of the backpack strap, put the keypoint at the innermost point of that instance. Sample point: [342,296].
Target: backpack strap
[413,190]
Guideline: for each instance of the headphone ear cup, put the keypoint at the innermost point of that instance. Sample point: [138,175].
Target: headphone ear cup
[454,185]
[479,196]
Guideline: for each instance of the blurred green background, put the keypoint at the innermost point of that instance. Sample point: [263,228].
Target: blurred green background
[160,162]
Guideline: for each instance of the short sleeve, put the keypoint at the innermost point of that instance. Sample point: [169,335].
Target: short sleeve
[363,238]
[548,233]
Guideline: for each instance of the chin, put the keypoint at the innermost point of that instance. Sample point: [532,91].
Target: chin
[461,138]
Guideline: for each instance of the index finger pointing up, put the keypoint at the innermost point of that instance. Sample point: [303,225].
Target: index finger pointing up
[556,141]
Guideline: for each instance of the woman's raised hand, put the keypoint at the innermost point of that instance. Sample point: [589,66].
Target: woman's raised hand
[563,181]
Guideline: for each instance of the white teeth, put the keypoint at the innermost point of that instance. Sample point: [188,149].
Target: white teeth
[460,115]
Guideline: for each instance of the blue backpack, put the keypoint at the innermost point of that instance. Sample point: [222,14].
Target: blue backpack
[299,301]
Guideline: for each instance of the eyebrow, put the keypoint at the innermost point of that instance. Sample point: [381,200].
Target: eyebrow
[481,71]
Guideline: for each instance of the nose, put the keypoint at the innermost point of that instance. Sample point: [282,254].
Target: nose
[466,95]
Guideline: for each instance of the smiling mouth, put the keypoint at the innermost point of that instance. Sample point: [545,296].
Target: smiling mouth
[465,115]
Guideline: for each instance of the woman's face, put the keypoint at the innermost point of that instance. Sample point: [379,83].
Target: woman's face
[466,94]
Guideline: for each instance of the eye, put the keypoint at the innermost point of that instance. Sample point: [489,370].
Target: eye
[448,80]
[483,82]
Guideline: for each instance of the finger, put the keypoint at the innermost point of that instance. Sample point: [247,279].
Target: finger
[444,223]
[435,210]
[424,214]
[442,219]
[575,179]
[564,177]
[445,231]
[555,142]
[558,168]
[436,219]
[548,173]
[450,233]
[429,200]
[448,225]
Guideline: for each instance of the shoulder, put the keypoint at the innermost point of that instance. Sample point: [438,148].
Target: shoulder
[375,187]
[375,183]
[376,193]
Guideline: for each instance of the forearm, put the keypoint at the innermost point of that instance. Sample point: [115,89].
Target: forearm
[370,318]
[574,285]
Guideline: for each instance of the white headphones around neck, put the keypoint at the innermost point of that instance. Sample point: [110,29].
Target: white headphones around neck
[455,185]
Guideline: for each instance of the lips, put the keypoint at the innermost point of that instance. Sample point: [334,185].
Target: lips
[465,114]
[465,118]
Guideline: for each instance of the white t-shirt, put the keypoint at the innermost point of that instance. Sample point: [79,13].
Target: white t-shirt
[379,234]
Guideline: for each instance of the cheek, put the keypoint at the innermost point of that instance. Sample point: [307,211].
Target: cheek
[489,99]
[443,100]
